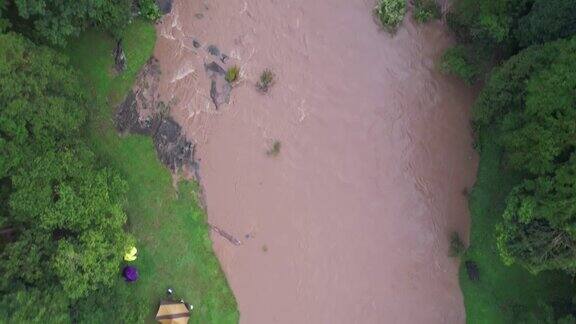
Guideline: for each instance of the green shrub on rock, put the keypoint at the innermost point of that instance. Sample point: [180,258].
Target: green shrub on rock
[232,74]
[391,13]
[149,10]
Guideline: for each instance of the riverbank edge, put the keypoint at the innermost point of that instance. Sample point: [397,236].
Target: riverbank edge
[169,224]
[502,294]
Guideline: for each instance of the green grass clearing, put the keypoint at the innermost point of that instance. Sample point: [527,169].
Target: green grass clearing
[171,231]
[503,294]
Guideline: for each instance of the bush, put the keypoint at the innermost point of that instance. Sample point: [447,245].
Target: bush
[457,61]
[232,74]
[149,10]
[390,12]
[275,149]
[457,247]
[425,10]
[266,80]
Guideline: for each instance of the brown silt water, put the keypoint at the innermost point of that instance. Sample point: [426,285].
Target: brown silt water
[348,219]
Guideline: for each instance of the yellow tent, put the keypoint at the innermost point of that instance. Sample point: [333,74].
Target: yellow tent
[172,312]
[131,254]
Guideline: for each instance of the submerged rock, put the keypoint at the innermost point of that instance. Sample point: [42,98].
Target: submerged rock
[472,270]
[172,147]
[212,49]
[224,58]
[214,69]
[220,89]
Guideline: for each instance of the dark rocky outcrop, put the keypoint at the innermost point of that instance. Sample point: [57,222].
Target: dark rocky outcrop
[142,112]
[165,6]
[173,149]
[472,270]
[119,57]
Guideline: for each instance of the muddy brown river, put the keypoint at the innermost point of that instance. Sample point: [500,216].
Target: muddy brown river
[349,222]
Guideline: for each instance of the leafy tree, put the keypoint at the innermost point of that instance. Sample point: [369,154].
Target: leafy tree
[488,22]
[539,224]
[42,103]
[70,220]
[65,211]
[56,21]
[484,29]
[506,88]
[542,134]
[531,100]
[548,20]
[456,60]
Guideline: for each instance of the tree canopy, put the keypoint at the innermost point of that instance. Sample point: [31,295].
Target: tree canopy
[65,211]
[43,105]
[55,21]
[531,100]
[493,30]
[547,20]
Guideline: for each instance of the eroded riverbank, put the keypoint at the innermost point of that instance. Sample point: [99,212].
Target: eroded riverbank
[349,223]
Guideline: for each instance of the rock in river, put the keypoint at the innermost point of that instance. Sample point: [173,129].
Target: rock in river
[212,49]
[219,88]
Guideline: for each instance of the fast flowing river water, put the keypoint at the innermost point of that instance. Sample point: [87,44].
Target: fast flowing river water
[349,222]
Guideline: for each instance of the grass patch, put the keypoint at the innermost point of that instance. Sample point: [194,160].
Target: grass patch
[266,80]
[232,74]
[170,227]
[503,294]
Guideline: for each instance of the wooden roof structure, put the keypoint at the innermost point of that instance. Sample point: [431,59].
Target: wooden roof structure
[172,312]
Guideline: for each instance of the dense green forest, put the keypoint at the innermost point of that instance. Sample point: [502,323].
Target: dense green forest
[523,53]
[62,216]
[74,195]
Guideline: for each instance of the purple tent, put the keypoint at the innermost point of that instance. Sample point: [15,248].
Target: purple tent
[130,273]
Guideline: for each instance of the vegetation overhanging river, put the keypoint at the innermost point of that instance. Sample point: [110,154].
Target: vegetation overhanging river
[349,222]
